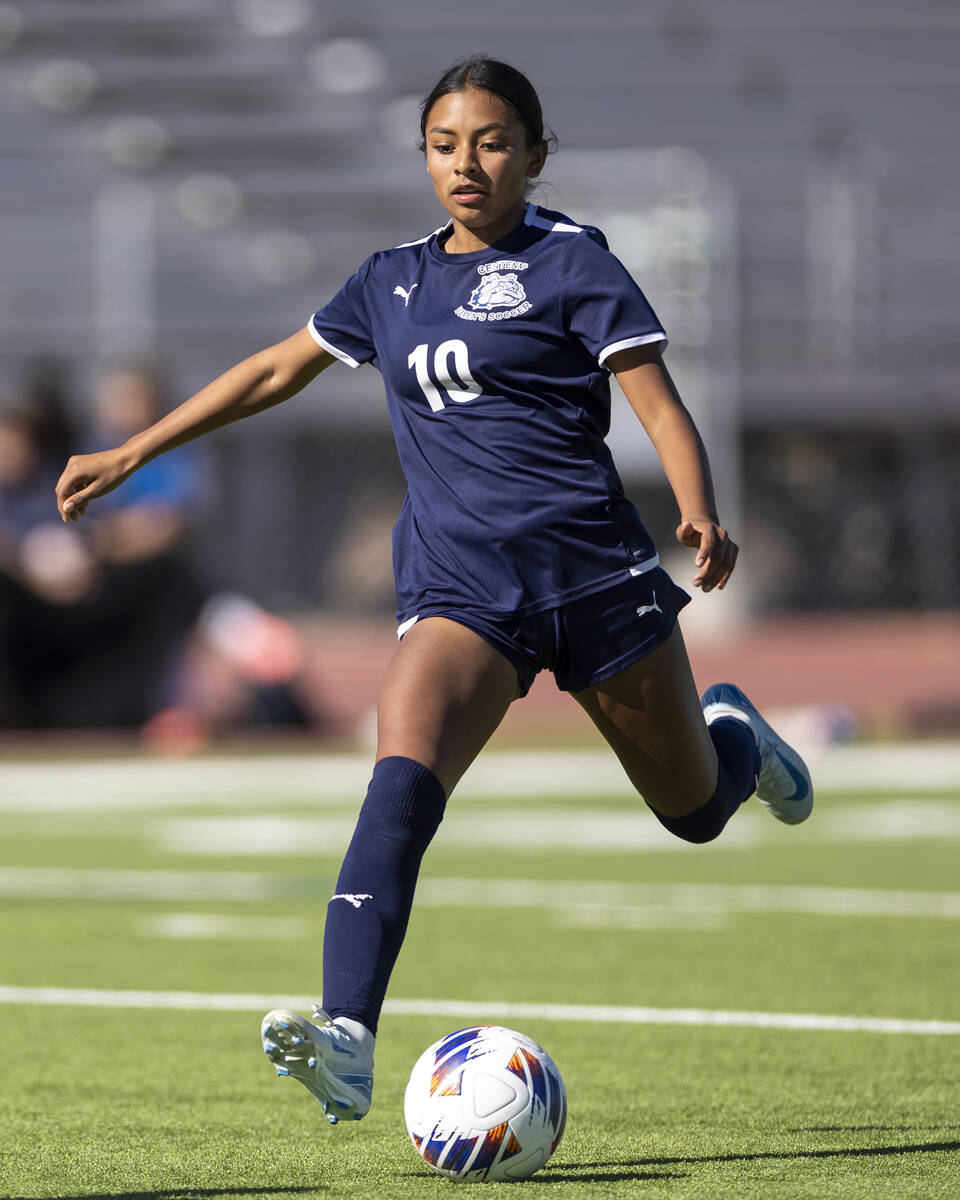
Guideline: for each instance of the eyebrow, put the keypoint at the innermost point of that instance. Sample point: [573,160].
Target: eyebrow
[477,132]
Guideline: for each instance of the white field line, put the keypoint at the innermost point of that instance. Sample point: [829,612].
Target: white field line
[341,779]
[477,827]
[596,897]
[602,896]
[230,782]
[109,883]
[479,1010]
[532,832]
[185,926]
[546,830]
[649,917]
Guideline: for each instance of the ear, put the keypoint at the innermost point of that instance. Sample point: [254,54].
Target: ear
[538,158]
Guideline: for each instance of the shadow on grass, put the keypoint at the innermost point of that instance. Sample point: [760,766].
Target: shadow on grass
[693,1160]
[943,1126]
[575,1174]
[562,1173]
[179,1193]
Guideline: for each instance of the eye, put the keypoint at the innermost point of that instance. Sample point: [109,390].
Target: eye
[442,148]
[494,146]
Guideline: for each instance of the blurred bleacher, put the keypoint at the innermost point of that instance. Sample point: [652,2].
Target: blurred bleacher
[192,178]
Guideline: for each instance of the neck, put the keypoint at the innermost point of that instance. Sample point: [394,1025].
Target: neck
[467,241]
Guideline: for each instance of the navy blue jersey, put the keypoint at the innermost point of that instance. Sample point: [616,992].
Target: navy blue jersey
[500,403]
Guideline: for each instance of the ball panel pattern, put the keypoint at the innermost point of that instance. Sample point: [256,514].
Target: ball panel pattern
[485,1103]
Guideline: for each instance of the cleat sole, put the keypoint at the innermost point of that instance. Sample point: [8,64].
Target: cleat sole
[297,1048]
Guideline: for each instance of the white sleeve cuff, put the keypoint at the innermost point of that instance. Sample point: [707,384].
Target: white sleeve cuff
[331,349]
[628,344]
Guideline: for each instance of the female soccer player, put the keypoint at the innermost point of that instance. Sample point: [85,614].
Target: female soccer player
[515,550]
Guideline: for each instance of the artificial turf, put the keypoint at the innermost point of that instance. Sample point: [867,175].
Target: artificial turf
[158,1103]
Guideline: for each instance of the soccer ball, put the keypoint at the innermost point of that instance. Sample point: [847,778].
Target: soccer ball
[485,1103]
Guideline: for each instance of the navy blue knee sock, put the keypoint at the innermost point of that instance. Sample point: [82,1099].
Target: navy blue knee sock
[367,917]
[738,765]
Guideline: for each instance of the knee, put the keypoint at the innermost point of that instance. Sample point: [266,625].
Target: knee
[403,793]
[702,825]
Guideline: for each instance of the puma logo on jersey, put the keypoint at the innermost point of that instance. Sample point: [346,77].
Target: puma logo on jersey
[399,291]
[654,607]
[356,900]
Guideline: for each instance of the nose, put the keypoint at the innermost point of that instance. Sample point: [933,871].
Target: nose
[466,162]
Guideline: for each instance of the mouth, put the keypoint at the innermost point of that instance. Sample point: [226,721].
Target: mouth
[468,193]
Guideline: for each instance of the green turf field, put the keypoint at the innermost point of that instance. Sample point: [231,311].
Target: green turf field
[211,878]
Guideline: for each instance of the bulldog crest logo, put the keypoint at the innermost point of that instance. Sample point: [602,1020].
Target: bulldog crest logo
[497,291]
[499,296]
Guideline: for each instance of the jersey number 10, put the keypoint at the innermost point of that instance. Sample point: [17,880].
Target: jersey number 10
[458,385]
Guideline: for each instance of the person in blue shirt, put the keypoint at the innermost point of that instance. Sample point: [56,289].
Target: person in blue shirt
[516,549]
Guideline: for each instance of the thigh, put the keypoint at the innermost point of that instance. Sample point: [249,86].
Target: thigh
[650,715]
[445,692]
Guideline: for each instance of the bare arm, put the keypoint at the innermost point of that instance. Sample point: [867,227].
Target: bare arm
[650,390]
[257,383]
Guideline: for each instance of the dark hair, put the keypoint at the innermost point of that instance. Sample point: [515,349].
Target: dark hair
[499,79]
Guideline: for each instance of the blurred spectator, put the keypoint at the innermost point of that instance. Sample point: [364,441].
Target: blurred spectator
[243,667]
[110,624]
[36,435]
[90,624]
[150,517]
[44,565]
[151,591]
[45,391]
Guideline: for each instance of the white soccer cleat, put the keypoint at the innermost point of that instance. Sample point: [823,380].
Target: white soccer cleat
[325,1058]
[783,785]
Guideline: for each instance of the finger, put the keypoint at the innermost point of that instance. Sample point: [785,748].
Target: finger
[713,577]
[706,557]
[714,569]
[67,486]
[734,555]
[76,505]
[65,502]
[65,506]
[721,565]
[688,534]
[71,478]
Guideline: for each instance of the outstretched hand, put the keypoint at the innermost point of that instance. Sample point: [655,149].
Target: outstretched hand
[87,476]
[716,552]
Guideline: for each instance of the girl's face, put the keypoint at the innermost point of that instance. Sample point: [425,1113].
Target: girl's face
[479,162]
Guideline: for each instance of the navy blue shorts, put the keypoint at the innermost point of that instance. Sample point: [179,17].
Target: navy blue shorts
[585,641]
